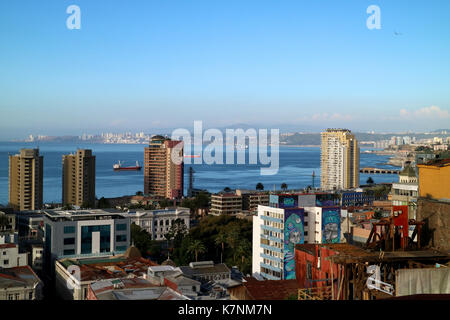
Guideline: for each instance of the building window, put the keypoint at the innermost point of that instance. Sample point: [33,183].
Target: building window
[5,262]
[30,295]
[121,248]
[69,252]
[121,227]
[121,237]
[68,241]
[69,229]
[86,238]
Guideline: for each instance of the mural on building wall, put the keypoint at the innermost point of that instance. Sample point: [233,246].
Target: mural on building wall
[325,200]
[331,225]
[293,234]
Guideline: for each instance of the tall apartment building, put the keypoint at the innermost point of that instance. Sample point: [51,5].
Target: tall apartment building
[162,176]
[26,180]
[225,203]
[78,178]
[339,160]
[283,224]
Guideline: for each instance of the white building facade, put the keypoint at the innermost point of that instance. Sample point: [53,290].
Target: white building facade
[158,222]
[84,233]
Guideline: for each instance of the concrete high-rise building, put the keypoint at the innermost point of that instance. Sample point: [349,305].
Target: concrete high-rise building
[78,178]
[291,219]
[162,176]
[26,180]
[339,160]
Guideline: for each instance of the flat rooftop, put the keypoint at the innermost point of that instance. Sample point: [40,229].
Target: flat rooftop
[91,214]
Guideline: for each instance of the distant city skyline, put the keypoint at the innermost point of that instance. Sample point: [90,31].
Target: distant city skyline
[151,66]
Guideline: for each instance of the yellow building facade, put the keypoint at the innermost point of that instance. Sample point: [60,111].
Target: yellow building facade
[434,179]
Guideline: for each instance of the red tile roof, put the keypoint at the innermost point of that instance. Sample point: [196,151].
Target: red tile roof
[270,289]
[7,245]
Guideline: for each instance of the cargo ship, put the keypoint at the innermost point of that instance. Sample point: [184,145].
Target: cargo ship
[119,167]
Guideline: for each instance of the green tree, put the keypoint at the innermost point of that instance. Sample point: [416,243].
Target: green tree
[243,249]
[67,206]
[232,241]
[164,203]
[284,186]
[103,203]
[226,189]
[220,239]
[143,241]
[4,222]
[259,186]
[370,180]
[139,193]
[196,247]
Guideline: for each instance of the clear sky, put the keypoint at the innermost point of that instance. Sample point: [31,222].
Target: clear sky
[145,65]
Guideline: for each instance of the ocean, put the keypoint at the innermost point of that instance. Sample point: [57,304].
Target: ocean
[296,165]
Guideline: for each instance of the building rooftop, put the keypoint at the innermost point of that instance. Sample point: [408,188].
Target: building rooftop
[8,245]
[18,277]
[91,214]
[109,267]
[172,210]
[270,289]
[408,171]
[132,289]
[349,253]
[204,267]
[436,163]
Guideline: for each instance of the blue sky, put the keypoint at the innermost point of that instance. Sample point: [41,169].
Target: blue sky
[146,65]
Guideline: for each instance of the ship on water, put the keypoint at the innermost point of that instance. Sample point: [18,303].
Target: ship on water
[119,167]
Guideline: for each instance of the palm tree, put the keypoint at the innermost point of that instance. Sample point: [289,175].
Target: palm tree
[226,189]
[284,186]
[196,247]
[232,240]
[259,186]
[221,238]
[369,180]
[243,249]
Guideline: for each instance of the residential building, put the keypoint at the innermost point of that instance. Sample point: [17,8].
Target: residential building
[8,233]
[251,199]
[26,180]
[20,283]
[279,227]
[74,275]
[339,160]
[434,179]
[225,203]
[162,175]
[37,257]
[78,178]
[10,256]
[357,198]
[88,233]
[158,222]
[205,271]
[31,224]
[406,191]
